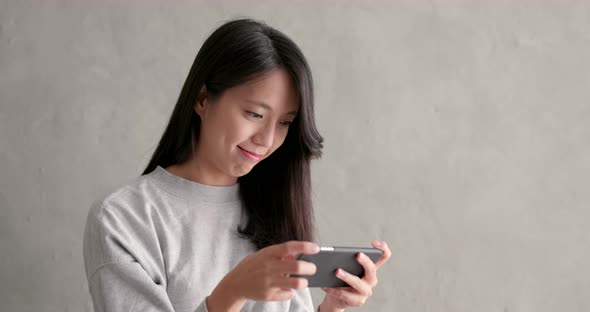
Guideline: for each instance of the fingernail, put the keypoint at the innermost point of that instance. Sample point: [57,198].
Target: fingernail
[377,243]
[339,272]
[316,248]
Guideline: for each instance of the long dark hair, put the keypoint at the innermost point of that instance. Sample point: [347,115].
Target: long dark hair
[277,191]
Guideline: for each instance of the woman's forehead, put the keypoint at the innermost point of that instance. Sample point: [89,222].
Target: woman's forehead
[273,90]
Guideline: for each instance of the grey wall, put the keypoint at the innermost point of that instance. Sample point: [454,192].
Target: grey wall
[459,133]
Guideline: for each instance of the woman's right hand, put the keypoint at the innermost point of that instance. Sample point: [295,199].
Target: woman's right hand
[264,276]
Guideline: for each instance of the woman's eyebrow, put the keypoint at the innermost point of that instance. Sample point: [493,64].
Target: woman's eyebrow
[267,107]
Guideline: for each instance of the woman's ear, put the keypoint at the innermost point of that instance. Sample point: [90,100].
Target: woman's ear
[200,106]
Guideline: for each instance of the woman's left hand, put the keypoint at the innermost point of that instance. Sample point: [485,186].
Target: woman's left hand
[361,289]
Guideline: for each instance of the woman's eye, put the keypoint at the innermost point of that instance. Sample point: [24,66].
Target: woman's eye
[253,114]
[286,123]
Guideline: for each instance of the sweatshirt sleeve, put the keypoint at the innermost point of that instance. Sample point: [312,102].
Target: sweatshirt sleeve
[126,287]
[302,301]
[123,272]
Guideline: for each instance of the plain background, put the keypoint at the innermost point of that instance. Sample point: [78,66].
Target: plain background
[456,131]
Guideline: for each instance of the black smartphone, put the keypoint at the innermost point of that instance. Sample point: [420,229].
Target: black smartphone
[329,259]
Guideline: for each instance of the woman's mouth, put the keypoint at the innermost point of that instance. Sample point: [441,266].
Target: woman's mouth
[249,155]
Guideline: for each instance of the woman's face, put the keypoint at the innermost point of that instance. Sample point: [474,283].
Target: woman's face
[244,126]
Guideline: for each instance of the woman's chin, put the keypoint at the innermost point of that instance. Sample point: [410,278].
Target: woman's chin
[242,170]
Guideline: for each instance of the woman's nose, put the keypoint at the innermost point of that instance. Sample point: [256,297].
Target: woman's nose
[265,136]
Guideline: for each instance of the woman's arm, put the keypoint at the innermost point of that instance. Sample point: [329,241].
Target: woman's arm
[127,287]
[117,279]
[223,298]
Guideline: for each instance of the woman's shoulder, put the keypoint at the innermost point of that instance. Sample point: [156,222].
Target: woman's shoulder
[120,224]
[132,197]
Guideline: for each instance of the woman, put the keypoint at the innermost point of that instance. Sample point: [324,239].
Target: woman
[222,208]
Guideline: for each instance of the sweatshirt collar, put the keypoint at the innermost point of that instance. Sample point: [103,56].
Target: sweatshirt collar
[191,189]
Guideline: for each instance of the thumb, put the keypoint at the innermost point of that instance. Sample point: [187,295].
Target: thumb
[293,248]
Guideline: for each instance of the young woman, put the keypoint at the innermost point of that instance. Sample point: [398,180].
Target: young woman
[224,205]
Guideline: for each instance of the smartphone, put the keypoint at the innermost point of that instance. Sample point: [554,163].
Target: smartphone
[329,259]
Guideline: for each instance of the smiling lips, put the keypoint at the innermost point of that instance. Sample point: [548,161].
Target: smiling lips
[250,155]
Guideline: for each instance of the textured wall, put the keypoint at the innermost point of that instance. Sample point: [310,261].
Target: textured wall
[457,132]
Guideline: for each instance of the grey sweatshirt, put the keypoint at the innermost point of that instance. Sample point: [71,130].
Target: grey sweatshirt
[162,243]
